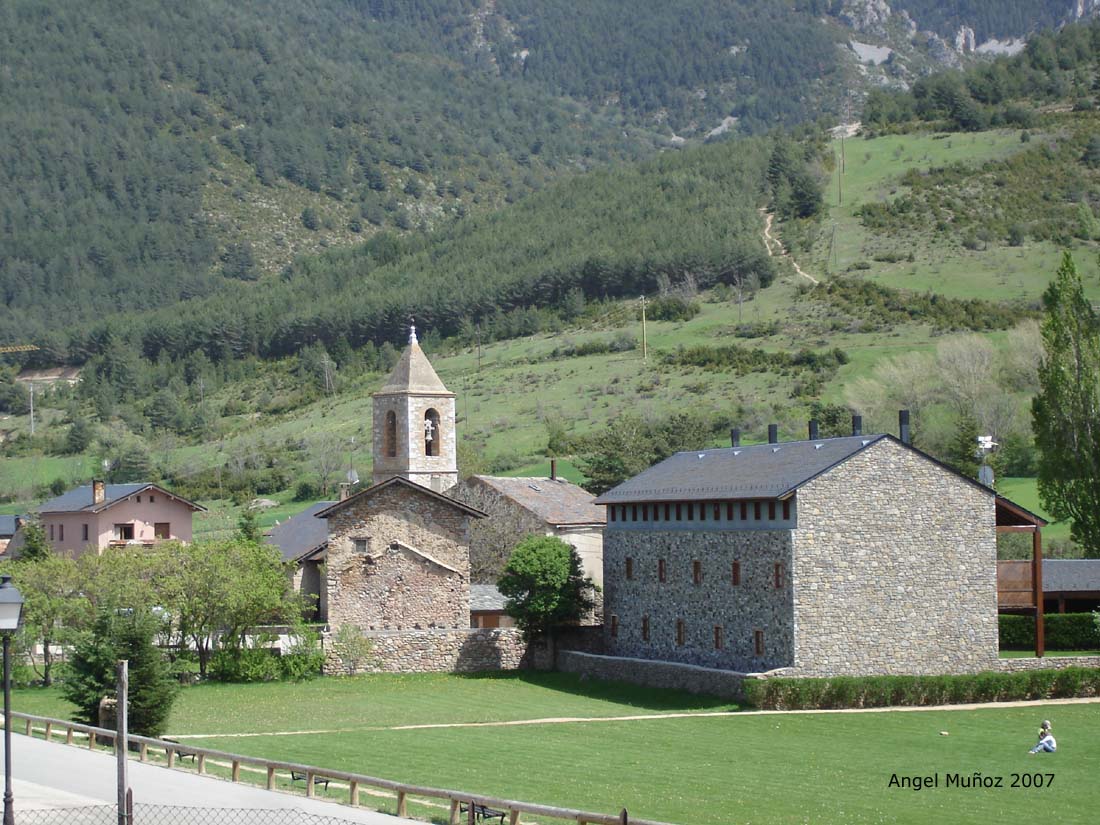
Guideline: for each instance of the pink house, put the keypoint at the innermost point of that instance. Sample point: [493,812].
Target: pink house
[102,515]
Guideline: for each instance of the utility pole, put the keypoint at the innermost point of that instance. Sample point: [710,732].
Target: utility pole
[32,408]
[645,346]
[122,743]
[479,346]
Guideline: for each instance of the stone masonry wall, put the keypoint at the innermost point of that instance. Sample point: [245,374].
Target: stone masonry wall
[392,588]
[755,604]
[895,569]
[442,651]
[692,678]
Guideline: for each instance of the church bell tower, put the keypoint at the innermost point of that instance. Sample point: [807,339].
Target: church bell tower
[414,424]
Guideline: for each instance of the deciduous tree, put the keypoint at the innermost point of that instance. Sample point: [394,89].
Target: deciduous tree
[1066,412]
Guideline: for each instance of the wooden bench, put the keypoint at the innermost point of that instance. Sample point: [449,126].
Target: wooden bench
[179,754]
[483,812]
[296,776]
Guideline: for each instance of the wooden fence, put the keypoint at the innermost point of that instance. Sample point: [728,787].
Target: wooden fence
[54,728]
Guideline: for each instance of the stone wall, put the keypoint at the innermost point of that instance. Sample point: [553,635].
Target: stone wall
[739,610]
[442,651]
[895,569]
[1046,663]
[674,675]
[390,586]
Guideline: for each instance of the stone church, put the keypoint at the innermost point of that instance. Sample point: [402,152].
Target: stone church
[393,560]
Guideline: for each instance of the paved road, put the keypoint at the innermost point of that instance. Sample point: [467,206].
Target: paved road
[52,775]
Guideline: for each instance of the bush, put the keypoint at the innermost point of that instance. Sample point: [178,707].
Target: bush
[672,308]
[304,660]
[1064,631]
[883,691]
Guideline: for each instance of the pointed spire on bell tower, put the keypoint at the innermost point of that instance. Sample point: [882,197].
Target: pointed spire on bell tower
[414,423]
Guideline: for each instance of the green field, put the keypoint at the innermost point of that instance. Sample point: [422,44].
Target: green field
[715,770]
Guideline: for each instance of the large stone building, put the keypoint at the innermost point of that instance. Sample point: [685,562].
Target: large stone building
[853,555]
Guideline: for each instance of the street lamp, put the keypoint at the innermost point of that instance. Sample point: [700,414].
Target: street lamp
[11,611]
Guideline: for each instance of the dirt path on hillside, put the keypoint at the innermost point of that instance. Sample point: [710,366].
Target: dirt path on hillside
[562,720]
[776,250]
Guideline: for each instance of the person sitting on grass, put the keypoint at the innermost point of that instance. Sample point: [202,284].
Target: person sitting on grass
[1046,741]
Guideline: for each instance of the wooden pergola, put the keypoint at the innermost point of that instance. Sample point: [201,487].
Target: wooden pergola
[1020,583]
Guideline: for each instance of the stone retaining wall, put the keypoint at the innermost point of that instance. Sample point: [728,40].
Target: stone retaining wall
[649,673]
[440,651]
[1046,663]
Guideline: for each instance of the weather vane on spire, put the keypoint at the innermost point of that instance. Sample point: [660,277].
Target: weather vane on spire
[412,330]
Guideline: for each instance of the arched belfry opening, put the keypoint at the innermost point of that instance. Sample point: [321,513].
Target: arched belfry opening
[389,435]
[432,433]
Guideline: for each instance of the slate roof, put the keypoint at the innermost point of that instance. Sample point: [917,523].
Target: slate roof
[7,526]
[485,597]
[557,502]
[300,534]
[79,499]
[413,374]
[756,471]
[1069,575]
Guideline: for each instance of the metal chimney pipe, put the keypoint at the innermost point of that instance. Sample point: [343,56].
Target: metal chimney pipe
[735,437]
[553,469]
[857,425]
[903,427]
[773,433]
[814,432]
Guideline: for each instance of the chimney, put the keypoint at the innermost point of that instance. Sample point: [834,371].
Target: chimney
[903,427]
[857,425]
[553,469]
[735,437]
[773,433]
[99,491]
[814,433]
[345,490]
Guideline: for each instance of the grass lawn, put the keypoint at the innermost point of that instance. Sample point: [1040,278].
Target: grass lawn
[744,768]
[1025,492]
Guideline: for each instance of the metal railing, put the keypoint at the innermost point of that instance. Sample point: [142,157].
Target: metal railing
[53,728]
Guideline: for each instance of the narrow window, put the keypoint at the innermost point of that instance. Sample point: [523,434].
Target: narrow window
[633,512]
[717,511]
[679,631]
[152,499]
[84,532]
[389,435]
[756,510]
[771,511]
[718,637]
[139,499]
[614,625]
[613,512]
[622,513]
[645,512]
[735,574]
[729,511]
[786,509]
[656,512]
[778,575]
[679,511]
[662,573]
[162,530]
[361,546]
[691,510]
[758,642]
[645,628]
[744,511]
[667,510]
[629,567]
[697,572]
[51,532]
[432,434]
[61,532]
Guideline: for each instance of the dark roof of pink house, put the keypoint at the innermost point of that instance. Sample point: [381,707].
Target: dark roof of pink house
[79,499]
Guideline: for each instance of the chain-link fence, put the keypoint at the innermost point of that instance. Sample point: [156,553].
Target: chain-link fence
[175,815]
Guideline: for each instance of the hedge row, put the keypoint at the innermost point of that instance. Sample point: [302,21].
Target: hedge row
[887,691]
[1064,631]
